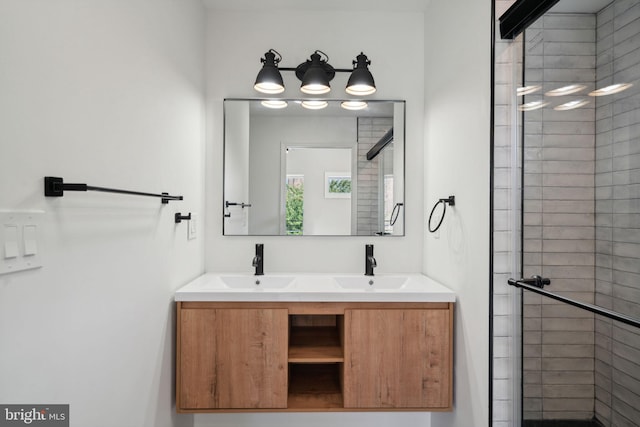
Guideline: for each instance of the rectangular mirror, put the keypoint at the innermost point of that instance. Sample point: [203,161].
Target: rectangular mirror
[317,172]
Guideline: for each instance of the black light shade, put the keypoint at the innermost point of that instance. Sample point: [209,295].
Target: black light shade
[316,80]
[269,79]
[361,81]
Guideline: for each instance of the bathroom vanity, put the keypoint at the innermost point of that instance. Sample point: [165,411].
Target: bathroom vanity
[314,343]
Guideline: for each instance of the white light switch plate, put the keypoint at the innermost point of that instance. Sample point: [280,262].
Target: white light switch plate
[11,239]
[20,240]
[192,227]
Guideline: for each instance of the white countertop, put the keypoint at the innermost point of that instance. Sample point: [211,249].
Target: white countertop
[306,287]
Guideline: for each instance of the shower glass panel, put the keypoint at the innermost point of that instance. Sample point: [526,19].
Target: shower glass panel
[581,213]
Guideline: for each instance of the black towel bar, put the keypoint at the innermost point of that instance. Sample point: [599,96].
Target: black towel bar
[55,187]
[610,314]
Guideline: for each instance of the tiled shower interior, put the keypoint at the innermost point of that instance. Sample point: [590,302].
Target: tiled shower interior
[580,223]
[580,220]
[559,221]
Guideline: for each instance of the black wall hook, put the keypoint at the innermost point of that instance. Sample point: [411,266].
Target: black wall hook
[451,200]
[179,217]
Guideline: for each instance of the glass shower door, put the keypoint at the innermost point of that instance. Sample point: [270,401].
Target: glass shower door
[581,214]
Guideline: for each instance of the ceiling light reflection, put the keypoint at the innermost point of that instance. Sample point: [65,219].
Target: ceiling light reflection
[315,105]
[566,90]
[611,89]
[534,105]
[526,90]
[571,105]
[353,105]
[274,103]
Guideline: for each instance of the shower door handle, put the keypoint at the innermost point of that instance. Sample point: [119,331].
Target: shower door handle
[537,281]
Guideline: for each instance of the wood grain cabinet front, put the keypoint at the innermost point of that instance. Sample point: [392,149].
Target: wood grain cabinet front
[397,359]
[288,356]
[232,358]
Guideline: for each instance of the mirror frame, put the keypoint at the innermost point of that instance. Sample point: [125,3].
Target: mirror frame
[292,100]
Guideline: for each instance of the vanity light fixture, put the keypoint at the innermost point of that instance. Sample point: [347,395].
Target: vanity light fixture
[526,90]
[361,81]
[314,105]
[534,105]
[610,90]
[571,105]
[315,74]
[269,79]
[274,103]
[566,90]
[353,105]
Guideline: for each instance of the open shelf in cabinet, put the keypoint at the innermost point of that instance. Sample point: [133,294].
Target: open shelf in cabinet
[316,339]
[316,359]
[315,386]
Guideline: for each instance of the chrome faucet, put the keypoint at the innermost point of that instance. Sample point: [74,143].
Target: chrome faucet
[258,260]
[369,261]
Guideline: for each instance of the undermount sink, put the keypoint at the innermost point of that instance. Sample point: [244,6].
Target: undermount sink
[257,282]
[371,282]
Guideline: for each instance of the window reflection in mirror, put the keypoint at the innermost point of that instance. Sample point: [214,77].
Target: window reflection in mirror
[332,172]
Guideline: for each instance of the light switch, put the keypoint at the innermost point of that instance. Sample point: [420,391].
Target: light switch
[21,246]
[30,236]
[192,227]
[10,241]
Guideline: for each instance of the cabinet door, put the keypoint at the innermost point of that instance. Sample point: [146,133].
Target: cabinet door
[397,358]
[233,358]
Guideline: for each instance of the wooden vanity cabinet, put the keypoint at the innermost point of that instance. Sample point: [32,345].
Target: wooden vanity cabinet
[298,356]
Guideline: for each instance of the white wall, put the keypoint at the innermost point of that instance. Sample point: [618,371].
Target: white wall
[236,40]
[457,159]
[108,93]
